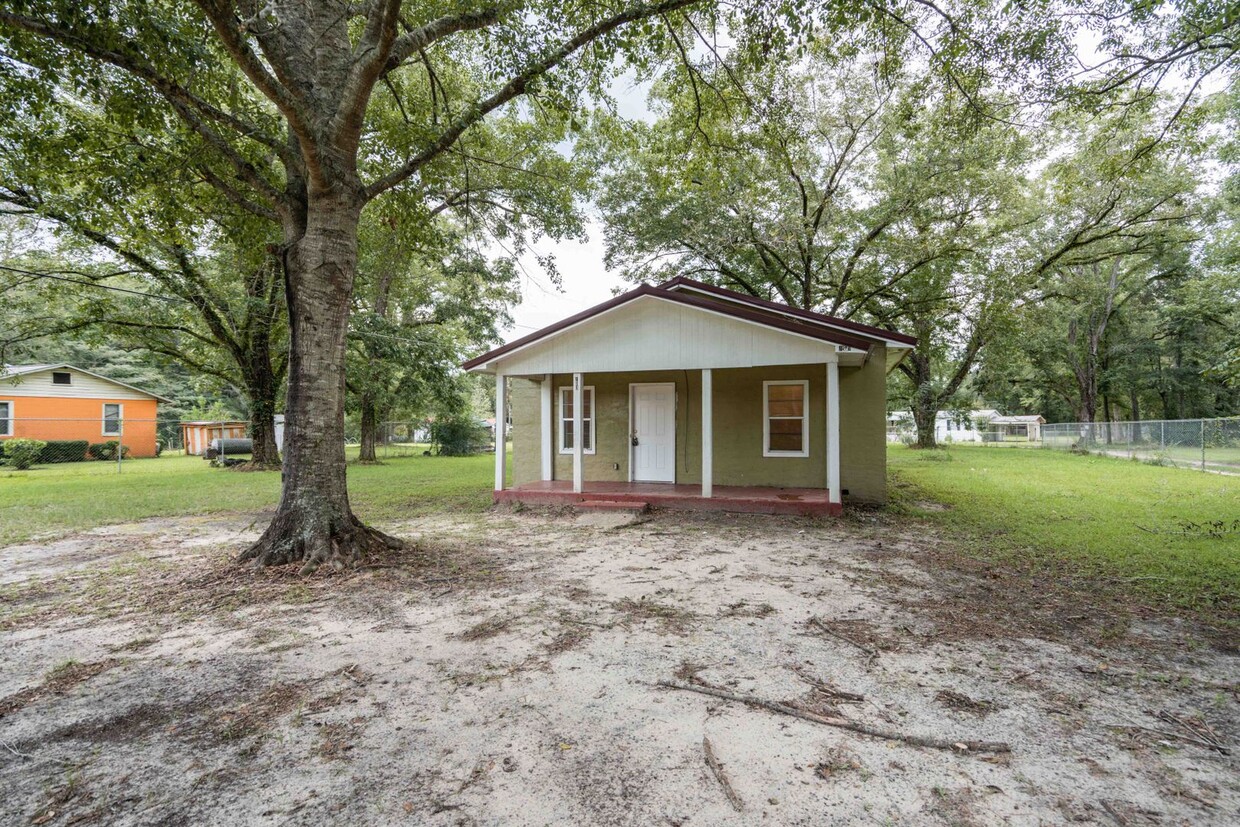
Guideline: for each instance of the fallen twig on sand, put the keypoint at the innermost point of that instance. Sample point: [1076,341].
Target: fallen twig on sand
[842,723]
[717,769]
[1115,814]
[27,757]
[870,651]
[1199,732]
[22,755]
[825,688]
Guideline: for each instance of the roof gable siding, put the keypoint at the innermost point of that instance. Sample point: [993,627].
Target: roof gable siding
[654,334]
[82,386]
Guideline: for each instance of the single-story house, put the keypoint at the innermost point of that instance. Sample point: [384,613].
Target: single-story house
[1020,428]
[692,396]
[949,426]
[64,402]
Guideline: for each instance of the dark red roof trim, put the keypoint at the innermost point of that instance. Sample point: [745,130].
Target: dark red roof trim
[763,317]
[787,309]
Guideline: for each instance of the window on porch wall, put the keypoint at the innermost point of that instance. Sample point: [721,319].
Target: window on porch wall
[785,422]
[566,419]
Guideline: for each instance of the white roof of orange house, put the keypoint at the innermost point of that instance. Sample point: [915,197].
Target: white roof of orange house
[1017,420]
[9,372]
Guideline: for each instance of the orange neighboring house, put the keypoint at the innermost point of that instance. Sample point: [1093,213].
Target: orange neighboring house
[53,402]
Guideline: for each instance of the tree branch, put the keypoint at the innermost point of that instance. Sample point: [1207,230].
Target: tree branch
[515,88]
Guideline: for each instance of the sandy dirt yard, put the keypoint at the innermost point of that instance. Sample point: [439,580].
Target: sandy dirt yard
[507,669]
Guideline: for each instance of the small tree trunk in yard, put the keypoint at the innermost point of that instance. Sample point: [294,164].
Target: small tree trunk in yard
[924,419]
[925,402]
[314,523]
[261,389]
[265,453]
[370,426]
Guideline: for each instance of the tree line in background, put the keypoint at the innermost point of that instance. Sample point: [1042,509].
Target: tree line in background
[324,205]
[1074,259]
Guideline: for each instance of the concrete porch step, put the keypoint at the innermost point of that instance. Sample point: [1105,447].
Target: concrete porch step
[614,505]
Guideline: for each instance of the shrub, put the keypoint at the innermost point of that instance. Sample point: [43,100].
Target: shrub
[458,436]
[64,450]
[106,451]
[23,453]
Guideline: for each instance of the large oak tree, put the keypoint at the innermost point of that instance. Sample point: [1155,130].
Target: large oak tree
[273,102]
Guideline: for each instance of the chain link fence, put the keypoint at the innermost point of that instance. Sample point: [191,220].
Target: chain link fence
[1205,444]
[116,442]
[29,443]
[402,439]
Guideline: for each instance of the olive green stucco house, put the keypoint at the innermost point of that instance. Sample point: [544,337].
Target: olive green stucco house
[687,395]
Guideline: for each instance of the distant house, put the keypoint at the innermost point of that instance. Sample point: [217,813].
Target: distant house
[64,402]
[949,426]
[1016,428]
[687,395]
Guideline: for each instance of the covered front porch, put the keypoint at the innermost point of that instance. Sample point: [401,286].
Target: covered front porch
[806,502]
[760,440]
[689,396]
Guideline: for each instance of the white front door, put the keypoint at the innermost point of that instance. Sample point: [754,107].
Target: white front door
[653,438]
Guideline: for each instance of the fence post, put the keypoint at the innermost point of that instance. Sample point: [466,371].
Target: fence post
[1203,446]
[120,444]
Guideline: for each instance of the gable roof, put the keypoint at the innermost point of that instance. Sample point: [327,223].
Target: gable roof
[9,371]
[801,323]
[683,283]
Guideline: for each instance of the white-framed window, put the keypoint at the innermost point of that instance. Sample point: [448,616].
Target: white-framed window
[113,413]
[6,418]
[785,418]
[566,419]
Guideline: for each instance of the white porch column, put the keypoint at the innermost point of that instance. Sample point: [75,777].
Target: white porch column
[708,434]
[578,442]
[548,427]
[501,416]
[833,432]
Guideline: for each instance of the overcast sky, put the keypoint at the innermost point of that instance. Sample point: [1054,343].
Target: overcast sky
[586,281]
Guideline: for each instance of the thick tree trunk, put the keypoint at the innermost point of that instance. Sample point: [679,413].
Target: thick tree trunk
[261,388]
[265,453]
[314,523]
[924,419]
[370,426]
[925,402]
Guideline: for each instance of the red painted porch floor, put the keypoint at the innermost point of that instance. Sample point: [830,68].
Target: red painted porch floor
[738,498]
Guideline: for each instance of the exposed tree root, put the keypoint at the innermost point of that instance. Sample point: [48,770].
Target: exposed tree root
[256,466]
[293,537]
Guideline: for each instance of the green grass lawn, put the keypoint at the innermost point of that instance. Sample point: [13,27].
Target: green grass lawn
[58,498]
[1120,520]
